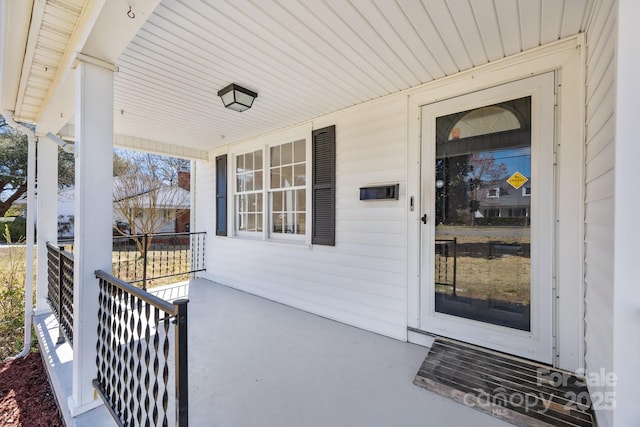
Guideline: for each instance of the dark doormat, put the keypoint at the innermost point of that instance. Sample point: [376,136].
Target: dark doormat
[516,390]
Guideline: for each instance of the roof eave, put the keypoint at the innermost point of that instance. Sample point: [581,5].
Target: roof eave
[15,19]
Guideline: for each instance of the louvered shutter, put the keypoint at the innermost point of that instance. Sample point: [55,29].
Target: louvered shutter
[221,195]
[324,186]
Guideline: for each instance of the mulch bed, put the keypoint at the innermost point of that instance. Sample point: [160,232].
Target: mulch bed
[26,398]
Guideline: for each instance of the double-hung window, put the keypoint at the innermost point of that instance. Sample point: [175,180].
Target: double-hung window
[279,194]
[249,193]
[274,200]
[287,189]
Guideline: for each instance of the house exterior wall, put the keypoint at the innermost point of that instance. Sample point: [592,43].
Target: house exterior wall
[370,278]
[599,193]
[360,281]
[626,301]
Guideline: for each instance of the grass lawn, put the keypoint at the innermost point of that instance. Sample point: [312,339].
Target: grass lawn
[126,265]
[12,273]
[491,262]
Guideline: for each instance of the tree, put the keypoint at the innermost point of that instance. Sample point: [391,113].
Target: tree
[484,175]
[13,166]
[466,181]
[147,195]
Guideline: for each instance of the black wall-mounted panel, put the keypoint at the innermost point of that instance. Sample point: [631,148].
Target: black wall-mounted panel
[380,192]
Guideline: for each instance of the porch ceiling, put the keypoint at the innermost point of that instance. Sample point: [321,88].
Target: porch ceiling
[304,58]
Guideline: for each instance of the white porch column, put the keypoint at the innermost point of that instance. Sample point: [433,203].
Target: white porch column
[93,218]
[47,180]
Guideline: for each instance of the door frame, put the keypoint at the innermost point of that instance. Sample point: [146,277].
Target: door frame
[566,58]
[538,343]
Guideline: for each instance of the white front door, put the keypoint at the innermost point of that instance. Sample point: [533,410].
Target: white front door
[487,229]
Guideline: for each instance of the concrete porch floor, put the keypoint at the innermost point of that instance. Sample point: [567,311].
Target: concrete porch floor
[254,362]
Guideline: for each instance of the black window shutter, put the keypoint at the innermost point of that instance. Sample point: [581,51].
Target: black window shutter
[324,186]
[221,195]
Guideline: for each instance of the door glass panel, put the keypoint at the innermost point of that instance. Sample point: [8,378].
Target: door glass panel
[482,263]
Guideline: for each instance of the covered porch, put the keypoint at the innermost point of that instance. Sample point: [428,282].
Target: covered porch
[322,197]
[255,362]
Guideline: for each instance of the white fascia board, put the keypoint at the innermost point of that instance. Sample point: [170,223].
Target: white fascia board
[157,147]
[14,29]
[103,32]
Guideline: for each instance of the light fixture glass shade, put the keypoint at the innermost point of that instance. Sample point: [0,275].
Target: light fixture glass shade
[236,97]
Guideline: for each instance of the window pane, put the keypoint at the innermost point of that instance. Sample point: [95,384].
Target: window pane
[259,222]
[241,204]
[287,176]
[242,222]
[277,201]
[248,161]
[301,200]
[258,202]
[286,155]
[299,151]
[288,201]
[248,181]
[275,178]
[301,223]
[251,222]
[299,172]
[257,180]
[484,121]
[275,156]
[277,223]
[240,183]
[239,163]
[257,160]
[289,223]
[251,200]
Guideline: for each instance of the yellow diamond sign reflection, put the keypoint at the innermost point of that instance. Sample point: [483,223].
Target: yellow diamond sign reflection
[517,180]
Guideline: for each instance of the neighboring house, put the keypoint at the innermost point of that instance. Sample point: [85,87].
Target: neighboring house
[66,206]
[325,195]
[170,212]
[503,200]
[170,199]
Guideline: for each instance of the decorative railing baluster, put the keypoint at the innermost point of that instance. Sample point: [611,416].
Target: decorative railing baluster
[446,252]
[157,256]
[60,289]
[136,377]
[181,354]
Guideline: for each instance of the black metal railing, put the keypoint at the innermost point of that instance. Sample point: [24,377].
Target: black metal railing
[60,289]
[446,262]
[141,355]
[141,258]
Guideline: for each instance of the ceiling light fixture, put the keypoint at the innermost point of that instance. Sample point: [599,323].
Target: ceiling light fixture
[236,97]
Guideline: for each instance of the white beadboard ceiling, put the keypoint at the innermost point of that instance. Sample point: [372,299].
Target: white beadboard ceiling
[52,26]
[304,58]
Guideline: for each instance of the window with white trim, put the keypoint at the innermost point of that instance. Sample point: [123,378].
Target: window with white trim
[282,191]
[249,192]
[288,189]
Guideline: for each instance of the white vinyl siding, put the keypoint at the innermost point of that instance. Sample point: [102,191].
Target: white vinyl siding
[599,192]
[362,279]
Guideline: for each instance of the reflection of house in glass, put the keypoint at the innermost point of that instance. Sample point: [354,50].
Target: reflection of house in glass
[503,204]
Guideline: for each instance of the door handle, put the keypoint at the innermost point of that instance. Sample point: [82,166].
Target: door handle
[424,218]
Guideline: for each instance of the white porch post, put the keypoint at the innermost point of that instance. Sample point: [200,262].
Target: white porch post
[93,218]
[47,177]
